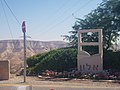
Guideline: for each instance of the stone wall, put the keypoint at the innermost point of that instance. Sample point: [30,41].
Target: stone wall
[4,70]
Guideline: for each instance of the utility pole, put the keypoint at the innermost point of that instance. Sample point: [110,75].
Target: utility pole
[24,33]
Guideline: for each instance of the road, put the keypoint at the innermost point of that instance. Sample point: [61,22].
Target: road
[34,83]
[51,87]
[72,88]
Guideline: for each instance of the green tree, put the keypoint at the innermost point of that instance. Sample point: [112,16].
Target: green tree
[106,17]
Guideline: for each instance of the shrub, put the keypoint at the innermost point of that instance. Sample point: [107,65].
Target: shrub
[56,60]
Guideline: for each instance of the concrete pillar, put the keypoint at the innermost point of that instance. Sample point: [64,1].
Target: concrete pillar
[4,70]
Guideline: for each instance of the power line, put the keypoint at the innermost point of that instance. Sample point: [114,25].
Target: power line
[62,7]
[51,28]
[83,6]
[60,15]
[68,9]
[58,12]
[7,20]
[12,13]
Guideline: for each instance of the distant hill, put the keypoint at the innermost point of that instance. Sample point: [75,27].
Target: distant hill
[13,50]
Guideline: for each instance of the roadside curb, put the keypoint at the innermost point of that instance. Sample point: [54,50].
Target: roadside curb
[15,87]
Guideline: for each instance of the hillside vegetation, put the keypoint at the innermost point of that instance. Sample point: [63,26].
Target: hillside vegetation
[65,59]
[56,60]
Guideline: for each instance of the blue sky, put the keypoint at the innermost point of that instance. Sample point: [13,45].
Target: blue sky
[46,20]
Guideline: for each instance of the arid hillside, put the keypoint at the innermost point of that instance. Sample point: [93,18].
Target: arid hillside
[13,50]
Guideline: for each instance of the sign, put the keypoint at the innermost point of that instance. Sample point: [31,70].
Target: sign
[90,63]
[23,27]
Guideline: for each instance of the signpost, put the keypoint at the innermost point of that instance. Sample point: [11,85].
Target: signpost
[24,33]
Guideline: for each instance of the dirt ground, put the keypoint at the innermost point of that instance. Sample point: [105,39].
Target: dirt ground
[31,80]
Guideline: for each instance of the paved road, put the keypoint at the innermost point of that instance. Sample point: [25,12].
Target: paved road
[51,87]
[72,88]
[34,83]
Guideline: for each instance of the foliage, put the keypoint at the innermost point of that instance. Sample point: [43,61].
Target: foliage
[106,17]
[56,60]
[111,60]
[65,59]
[32,61]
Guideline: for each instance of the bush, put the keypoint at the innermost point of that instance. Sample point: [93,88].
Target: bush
[61,60]
[56,60]
[111,60]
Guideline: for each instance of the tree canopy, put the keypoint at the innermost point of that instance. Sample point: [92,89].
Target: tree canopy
[106,16]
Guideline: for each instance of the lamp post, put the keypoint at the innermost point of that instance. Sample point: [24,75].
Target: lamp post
[24,34]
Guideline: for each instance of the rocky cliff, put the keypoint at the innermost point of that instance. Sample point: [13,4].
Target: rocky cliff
[13,50]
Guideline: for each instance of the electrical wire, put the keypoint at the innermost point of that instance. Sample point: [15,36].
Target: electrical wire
[12,13]
[88,2]
[14,16]
[7,20]
[57,13]
[61,14]
[61,7]
[50,26]
[65,19]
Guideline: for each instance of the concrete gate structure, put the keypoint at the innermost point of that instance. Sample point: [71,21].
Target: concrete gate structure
[88,63]
[4,70]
